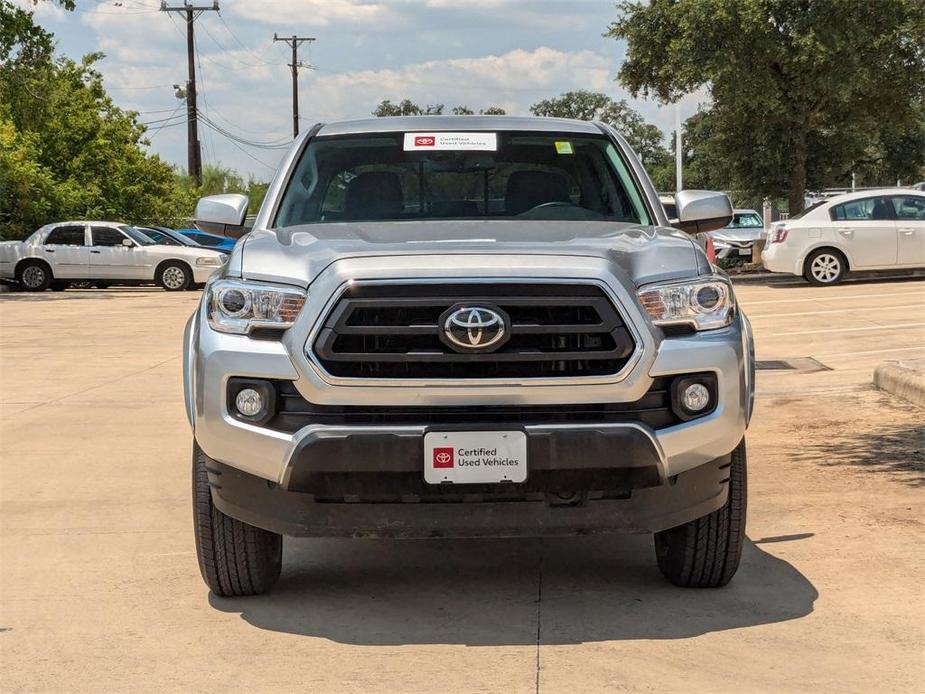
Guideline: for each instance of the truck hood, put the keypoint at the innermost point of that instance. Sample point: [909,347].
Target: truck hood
[641,254]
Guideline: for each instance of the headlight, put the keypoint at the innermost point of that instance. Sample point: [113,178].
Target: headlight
[238,307]
[702,304]
[210,260]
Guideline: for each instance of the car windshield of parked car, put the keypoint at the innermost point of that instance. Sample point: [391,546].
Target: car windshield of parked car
[138,236]
[514,175]
[746,220]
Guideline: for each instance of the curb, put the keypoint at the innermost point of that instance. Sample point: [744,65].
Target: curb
[902,380]
[782,277]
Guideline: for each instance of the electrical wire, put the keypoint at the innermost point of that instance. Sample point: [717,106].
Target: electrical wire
[241,43]
[243,151]
[244,141]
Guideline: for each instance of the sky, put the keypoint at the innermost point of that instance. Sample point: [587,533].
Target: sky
[477,53]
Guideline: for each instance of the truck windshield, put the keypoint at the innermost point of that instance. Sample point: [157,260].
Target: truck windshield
[517,175]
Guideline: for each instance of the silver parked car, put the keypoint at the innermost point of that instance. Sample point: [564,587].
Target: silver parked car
[739,237]
[102,253]
[467,326]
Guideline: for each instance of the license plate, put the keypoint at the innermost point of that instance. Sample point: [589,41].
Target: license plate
[475,457]
[745,251]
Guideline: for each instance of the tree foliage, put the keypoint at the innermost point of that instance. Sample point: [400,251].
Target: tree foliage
[68,152]
[582,104]
[803,91]
[406,107]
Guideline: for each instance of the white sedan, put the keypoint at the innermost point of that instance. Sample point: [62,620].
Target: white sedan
[865,230]
[102,253]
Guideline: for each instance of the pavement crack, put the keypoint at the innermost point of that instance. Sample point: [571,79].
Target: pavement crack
[99,385]
[539,613]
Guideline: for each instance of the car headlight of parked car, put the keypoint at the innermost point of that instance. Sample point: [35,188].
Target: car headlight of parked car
[210,261]
[236,306]
[701,304]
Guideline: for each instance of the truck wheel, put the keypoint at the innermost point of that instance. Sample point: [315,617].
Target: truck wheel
[235,558]
[174,277]
[825,266]
[705,552]
[34,276]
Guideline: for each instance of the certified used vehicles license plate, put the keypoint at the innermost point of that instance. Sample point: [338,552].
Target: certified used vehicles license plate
[475,457]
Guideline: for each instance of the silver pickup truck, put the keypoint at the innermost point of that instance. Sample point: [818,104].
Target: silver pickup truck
[467,326]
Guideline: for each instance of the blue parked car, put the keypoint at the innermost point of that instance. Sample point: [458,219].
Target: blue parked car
[219,243]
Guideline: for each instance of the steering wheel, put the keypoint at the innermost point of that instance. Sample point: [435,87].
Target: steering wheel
[552,203]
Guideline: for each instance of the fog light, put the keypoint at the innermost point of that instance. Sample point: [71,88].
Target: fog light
[249,402]
[695,397]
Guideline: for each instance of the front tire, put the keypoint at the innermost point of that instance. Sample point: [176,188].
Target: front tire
[235,558]
[824,267]
[174,277]
[34,276]
[705,552]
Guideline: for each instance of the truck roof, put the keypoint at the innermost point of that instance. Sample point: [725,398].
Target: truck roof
[391,124]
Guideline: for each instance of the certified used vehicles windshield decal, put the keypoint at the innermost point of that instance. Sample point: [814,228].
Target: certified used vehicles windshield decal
[483,142]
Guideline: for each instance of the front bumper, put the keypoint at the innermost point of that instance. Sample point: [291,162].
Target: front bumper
[249,498]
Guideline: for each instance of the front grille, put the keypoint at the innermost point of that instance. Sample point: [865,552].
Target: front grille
[294,412]
[393,331]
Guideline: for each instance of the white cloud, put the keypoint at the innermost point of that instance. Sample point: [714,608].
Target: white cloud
[314,12]
[515,79]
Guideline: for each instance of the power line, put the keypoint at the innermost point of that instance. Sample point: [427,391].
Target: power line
[241,43]
[167,125]
[243,151]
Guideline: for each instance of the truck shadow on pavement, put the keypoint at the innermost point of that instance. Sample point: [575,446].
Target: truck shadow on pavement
[510,592]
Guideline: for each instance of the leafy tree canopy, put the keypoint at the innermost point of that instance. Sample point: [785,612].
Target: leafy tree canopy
[406,107]
[644,137]
[803,90]
[67,151]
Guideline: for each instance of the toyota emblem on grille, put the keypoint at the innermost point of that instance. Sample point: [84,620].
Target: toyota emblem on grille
[474,328]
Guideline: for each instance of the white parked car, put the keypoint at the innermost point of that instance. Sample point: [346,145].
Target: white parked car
[865,230]
[102,253]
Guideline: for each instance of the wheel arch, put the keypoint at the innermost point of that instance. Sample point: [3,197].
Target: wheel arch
[32,260]
[827,246]
[171,261]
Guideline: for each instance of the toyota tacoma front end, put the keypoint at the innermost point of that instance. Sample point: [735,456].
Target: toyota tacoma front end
[467,326]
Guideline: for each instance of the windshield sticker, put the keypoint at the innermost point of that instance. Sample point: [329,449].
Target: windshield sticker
[484,142]
[564,148]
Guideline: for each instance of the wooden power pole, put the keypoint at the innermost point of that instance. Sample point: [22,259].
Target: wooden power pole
[194,155]
[294,43]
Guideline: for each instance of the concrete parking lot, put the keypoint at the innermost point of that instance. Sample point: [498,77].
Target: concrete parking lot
[100,592]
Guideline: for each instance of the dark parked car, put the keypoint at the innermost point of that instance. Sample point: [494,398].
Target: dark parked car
[202,238]
[165,236]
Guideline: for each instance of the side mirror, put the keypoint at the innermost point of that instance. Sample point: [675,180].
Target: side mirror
[226,210]
[128,243]
[702,210]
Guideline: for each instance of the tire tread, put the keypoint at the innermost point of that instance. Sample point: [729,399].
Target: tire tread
[705,552]
[235,558]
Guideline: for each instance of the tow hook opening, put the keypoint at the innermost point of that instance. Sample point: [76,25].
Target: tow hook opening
[566,498]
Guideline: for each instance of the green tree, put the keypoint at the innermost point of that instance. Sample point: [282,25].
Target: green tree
[19,31]
[70,152]
[802,90]
[406,107]
[582,104]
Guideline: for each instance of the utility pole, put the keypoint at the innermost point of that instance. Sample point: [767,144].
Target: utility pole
[294,43]
[678,154]
[193,156]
